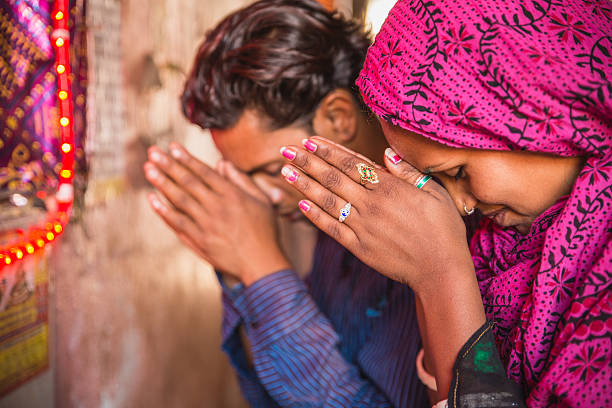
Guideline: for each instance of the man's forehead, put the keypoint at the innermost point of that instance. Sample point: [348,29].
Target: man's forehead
[248,151]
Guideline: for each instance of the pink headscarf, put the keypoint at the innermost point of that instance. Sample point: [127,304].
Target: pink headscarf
[521,75]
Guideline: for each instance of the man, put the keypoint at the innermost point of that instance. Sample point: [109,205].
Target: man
[270,75]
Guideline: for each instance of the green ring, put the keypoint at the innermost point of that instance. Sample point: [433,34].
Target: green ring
[423,181]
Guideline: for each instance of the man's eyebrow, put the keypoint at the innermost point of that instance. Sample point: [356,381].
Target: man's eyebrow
[264,167]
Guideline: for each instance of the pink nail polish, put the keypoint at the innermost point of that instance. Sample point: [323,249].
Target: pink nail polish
[290,174]
[391,155]
[310,145]
[304,205]
[288,153]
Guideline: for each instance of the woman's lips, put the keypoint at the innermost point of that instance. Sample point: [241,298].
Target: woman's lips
[498,216]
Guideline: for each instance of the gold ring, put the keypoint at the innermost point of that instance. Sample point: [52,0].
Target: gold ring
[367,173]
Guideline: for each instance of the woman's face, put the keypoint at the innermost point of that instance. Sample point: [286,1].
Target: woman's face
[512,188]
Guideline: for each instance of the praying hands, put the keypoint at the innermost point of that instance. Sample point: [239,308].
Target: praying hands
[226,219]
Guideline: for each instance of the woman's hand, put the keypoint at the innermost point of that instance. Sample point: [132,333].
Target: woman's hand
[228,221]
[412,235]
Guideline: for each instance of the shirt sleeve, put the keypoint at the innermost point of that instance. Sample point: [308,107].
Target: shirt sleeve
[294,347]
[252,389]
[479,378]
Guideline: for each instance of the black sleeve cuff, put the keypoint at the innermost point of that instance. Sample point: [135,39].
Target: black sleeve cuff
[479,378]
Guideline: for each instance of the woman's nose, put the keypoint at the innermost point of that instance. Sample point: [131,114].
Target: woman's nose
[465,202]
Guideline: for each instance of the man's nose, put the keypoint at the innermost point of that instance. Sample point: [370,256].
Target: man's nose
[275,194]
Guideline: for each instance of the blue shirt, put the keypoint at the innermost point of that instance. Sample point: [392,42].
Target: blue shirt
[347,337]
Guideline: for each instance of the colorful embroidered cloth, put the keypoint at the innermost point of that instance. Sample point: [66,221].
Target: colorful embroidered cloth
[29,139]
[533,75]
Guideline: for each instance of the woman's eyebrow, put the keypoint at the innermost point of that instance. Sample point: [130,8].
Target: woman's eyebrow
[431,169]
[446,165]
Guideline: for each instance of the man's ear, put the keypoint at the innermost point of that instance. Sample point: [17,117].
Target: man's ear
[336,117]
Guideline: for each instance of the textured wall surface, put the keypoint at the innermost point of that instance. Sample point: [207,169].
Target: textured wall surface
[137,315]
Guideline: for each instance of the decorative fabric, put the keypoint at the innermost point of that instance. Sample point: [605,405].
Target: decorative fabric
[347,337]
[521,75]
[29,133]
[479,378]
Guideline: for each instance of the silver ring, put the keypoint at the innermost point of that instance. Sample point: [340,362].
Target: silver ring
[468,212]
[345,212]
[422,180]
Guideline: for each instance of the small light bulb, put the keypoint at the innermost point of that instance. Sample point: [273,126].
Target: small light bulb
[19,254]
[61,69]
[65,173]
[62,94]
[40,243]
[64,121]
[50,236]
[59,15]
[7,260]
[58,228]
[66,147]
[29,248]
[59,42]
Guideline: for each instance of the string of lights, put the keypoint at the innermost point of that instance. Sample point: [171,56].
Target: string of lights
[38,237]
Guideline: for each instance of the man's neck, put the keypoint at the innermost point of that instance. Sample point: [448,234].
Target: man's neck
[298,240]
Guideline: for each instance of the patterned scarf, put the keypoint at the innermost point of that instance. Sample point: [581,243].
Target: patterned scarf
[521,75]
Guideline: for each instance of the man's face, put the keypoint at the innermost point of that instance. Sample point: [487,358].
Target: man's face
[255,150]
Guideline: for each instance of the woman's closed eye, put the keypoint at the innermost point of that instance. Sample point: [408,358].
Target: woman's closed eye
[460,173]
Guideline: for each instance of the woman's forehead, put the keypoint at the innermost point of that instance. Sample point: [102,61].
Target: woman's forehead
[423,151]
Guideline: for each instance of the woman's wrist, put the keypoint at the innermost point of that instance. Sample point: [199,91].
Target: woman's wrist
[446,275]
[452,311]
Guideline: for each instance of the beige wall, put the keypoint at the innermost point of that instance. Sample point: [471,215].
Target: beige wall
[138,316]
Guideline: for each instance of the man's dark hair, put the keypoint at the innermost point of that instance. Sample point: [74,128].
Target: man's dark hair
[278,57]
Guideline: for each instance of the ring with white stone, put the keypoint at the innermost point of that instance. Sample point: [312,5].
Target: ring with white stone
[345,212]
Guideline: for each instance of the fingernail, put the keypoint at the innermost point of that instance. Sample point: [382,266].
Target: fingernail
[156,157]
[391,155]
[152,173]
[289,174]
[156,204]
[288,153]
[304,205]
[176,152]
[310,145]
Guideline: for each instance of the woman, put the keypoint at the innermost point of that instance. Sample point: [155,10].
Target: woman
[508,105]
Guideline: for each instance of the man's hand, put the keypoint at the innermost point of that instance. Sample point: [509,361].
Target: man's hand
[228,221]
